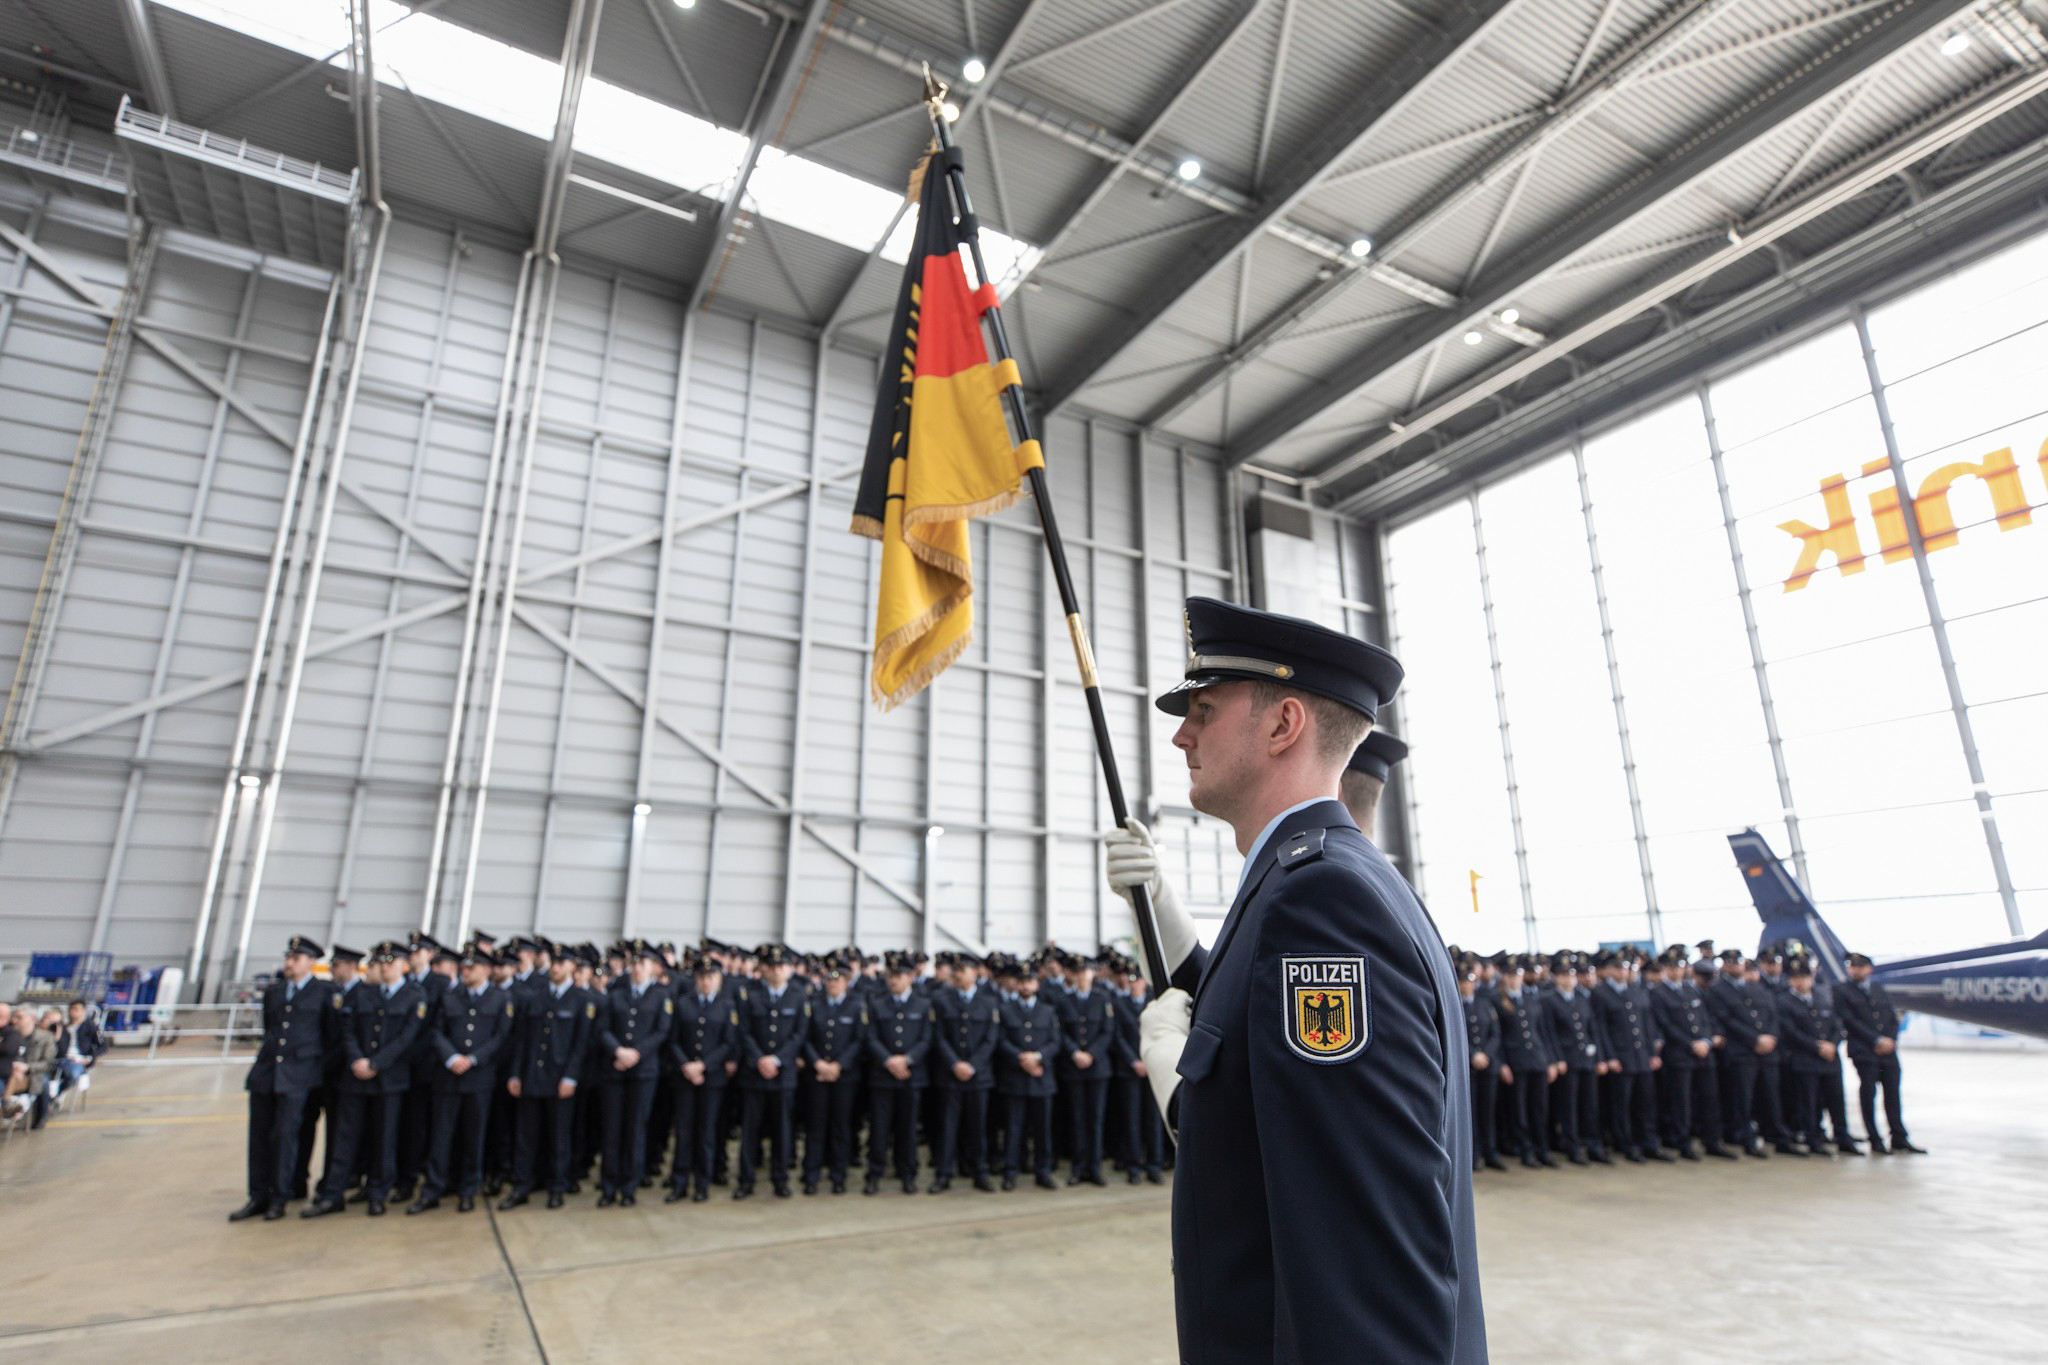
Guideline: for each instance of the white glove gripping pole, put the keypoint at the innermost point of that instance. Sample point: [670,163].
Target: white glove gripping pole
[1132,859]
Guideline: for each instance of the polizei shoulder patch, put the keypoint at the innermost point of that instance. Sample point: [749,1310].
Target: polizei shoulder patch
[1325,1007]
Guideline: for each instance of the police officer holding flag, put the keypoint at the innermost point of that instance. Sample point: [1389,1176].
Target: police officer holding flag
[1314,1058]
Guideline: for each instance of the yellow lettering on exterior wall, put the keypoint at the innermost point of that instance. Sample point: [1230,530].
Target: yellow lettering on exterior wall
[2008,499]
[1891,522]
[1838,539]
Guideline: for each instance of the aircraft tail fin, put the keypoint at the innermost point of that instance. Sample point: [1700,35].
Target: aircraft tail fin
[1787,911]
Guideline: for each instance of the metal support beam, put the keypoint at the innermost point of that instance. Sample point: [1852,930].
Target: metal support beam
[1996,96]
[149,58]
[1878,40]
[1938,624]
[1419,72]
[1500,703]
[1757,662]
[807,573]
[40,633]
[1653,912]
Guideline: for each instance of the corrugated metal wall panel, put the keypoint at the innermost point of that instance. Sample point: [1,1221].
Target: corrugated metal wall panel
[355,814]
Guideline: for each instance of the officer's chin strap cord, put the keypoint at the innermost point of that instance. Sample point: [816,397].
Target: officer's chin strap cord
[518,1287]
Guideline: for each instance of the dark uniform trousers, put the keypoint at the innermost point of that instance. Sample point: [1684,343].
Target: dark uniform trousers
[838,1033]
[320,1106]
[380,1030]
[1527,1052]
[416,1107]
[625,1098]
[705,1031]
[1090,1026]
[1868,1016]
[476,1027]
[1027,1100]
[1483,1036]
[896,1029]
[286,1073]
[552,1046]
[769,1026]
[968,1032]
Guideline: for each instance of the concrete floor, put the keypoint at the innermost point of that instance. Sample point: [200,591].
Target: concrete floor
[112,1224]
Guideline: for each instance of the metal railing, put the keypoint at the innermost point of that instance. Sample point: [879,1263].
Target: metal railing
[161,1034]
[60,154]
[234,152]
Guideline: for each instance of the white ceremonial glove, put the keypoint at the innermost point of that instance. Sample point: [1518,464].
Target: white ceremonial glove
[1162,1033]
[1132,860]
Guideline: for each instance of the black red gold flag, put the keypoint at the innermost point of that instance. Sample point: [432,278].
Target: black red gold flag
[939,452]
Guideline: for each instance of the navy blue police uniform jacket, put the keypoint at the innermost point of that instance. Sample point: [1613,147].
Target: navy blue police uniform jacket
[1625,1020]
[480,1026]
[906,1030]
[638,1022]
[967,1031]
[1032,1028]
[1809,1023]
[551,1041]
[382,1029]
[706,1032]
[300,1035]
[771,1028]
[1867,1014]
[1322,1205]
[838,1032]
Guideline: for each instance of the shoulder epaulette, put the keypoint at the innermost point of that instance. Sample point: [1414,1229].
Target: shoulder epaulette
[1303,846]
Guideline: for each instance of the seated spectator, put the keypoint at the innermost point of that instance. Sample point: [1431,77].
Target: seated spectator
[79,1045]
[38,1059]
[13,1070]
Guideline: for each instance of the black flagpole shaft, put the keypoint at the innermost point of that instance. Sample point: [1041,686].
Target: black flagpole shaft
[1157,967]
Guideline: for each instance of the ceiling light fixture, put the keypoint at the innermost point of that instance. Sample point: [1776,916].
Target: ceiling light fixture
[686,4]
[973,70]
[1189,169]
[1510,316]
[1361,247]
[1956,44]
[1472,338]
[951,111]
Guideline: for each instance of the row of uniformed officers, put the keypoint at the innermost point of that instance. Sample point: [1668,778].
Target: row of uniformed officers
[1651,1058]
[513,1074]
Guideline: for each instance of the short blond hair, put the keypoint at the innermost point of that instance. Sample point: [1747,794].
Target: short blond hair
[1339,728]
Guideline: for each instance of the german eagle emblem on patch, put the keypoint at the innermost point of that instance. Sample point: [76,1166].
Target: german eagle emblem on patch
[1325,1007]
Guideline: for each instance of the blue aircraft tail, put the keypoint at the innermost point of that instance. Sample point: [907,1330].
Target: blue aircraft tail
[1787,912]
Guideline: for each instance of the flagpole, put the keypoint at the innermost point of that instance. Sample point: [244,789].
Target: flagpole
[1157,969]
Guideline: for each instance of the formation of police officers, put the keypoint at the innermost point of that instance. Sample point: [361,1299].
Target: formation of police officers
[524,1072]
[1655,1058]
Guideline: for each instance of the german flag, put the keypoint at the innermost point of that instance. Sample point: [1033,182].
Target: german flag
[939,451]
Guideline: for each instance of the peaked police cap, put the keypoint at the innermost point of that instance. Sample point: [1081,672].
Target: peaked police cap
[1229,643]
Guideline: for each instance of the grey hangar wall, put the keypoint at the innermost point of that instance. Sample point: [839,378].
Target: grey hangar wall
[714,675]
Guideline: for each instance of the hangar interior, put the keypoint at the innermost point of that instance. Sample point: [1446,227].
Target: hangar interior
[428,431]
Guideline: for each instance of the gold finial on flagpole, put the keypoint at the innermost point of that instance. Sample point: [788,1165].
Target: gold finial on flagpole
[934,90]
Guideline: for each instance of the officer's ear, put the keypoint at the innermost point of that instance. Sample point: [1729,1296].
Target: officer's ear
[1286,724]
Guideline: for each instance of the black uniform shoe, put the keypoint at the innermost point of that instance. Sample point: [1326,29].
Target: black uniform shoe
[1132,1176]
[515,1199]
[1046,1182]
[1009,1182]
[646,1182]
[839,1184]
[1073,1179]
[319,1208]
[273,1213]
[910,1185]
[703,1193]
[1599,1158]
[494,1187]
[1848,1149]
[1632,1157]
[607,1199]
[421,1205]
[359,1196]
[1578,1159]
[1657,1154]
[1718,1150]
[872,1185]
[249,1210]
[466,1204]
[1789,1149]
[575,1187]
[810,1187]
[743,1191]
[626,1200]
[1543,1159]
[1530,1161]
[376,1208]
[1095,1178]
[782,1189]
[1154,1178]
[1877,1147]
[984,1184]
[1493,1163]
[676,1194]
[941,1185]
[1688,1154]
[554,1199]
[1901,1145]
